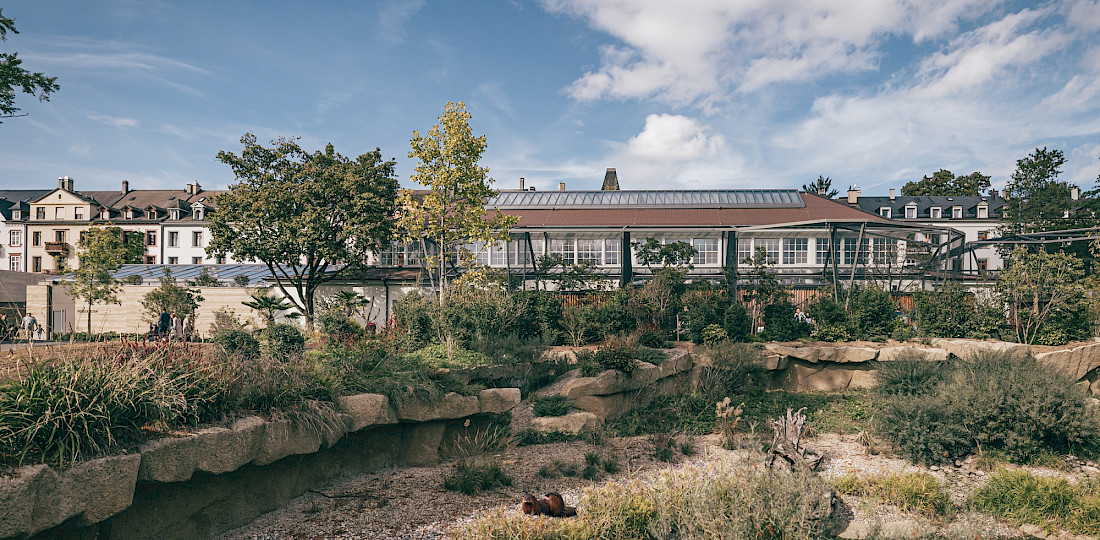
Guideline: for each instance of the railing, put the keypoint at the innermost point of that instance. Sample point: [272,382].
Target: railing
[56,247]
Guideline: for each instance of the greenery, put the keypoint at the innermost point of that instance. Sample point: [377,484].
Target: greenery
[551,405]
[281,341]
[910,492]
[1048,502]
[1000,402]
[822,186]
[873,314]
[452,213]
[103,250]
[1037,286]
[944,183]
[171,298]
[205,279]
[472,478]
[268,306]
[780,323]
[301,213]
[676,255]
[237,342]
[14,77]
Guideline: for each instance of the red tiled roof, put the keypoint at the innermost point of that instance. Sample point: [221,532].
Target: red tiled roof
[817,208]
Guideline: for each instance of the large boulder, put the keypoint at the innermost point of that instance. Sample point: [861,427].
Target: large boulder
[890,354]
[420,443]
[967,349]
[609,382]
[836,354]
[92,491]
[366,410]
[572,423]
[212,450]
[498,400]
[806,377]
[677,361]
[288,437]
[1074,363]
[19,492]
[451,405]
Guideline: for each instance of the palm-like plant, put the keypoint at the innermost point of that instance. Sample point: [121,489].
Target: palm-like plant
[268,307]
[348,301]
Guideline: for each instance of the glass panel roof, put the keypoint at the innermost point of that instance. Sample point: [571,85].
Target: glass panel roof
[727,198]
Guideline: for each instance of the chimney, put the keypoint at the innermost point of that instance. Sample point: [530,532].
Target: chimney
[196,188]
[610,180]
[994,193]
[125,187]
[60,182]
[853,195]
[561,186]
[892,194]
[1074,193]
[521,188]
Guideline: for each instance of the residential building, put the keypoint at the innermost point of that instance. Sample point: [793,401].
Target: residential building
[14,208]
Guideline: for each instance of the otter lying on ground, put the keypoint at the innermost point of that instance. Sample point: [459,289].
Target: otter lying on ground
[552,505]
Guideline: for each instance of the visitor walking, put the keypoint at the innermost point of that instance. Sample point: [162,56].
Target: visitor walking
[29,324]
[188,327]
[177,327]
[163,323]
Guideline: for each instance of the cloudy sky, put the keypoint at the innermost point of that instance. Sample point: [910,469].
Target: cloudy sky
[688,94]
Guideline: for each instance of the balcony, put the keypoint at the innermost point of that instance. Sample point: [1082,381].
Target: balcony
[57,248]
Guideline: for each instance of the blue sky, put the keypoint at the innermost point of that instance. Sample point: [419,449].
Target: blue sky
[688,94]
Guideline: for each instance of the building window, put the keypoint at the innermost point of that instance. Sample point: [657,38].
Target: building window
[36,238]
[173,214]
[196,239]
[173,238]
[589,250]
[823,245]
[173,260]
[795,250]
[59,236]
[78,212]
[16,263]
[200,214]
[36,264]
[936,212]
[104,213]
[983,235]
[744,250]
[983,212]
[150,238]
[910,212]
[221,260]
[196,260]
[566,249]
[956,212]
[612,251]
[884,212]
[150,259]
[771,249]
[498,254]
[850,251]
[59,213]
[40,212]
[934,239]
[16,238]
[983,265]
[884,250]
[399,254]
[706,251]
[17,215]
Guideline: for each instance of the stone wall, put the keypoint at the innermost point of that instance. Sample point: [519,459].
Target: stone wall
[219,478]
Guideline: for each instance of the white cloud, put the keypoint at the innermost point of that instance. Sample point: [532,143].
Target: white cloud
[116,121]
[674,137]
[392,18]
[83,149]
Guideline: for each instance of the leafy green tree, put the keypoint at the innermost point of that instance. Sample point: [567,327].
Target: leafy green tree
[873,313]
[268,307]
[170,297]
[452,213]
[822,186]
[582,276]
[102,252]
[310,217]
[13,77]
[676,255]
[943,183]
[946,312]
[762,288]
[348,301]
[1034,286]
[1037,200]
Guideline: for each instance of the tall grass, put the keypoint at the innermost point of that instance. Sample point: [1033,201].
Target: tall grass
[1048,502]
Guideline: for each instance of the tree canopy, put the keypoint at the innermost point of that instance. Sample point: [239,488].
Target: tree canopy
[103,250]
[13,77]
[1034,286]
[171,298]
[310,217]
[944,183]
[822,186]
[451,215]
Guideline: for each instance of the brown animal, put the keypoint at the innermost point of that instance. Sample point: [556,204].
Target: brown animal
[558,507]
[535,507]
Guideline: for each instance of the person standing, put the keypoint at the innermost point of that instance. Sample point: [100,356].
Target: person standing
[177,327]
[29,324]
[163,323]
[188,327]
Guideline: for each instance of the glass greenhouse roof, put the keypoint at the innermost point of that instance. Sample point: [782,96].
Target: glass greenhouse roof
[717,198]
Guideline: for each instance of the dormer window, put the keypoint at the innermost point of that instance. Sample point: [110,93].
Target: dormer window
[983,212]
[200,214]
[104,214]
[16,214]
[129,213]
[911,211]
[174,214]
[78,213]
[884,212]
[956,212]
[935,212]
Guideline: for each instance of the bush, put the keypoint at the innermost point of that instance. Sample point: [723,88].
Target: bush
[873,313]
[441,357]
[713,334]
[1049,502]
[994,402]
[911,376]
[652,337]
[620,358]
[909,492]
[237,343]
[282,341]
[945,312]
[832,332]
[473,478]
[826,311]
[551,405]
[338,325]
[737,322]
[780,323]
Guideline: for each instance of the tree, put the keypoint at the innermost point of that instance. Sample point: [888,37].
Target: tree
[943,183]
[452,214]
[310,217]
[675,255]
[268,307]
[13,77]
[822,186]
[171,298]
[1035,285]
[102,251]
[1037,200]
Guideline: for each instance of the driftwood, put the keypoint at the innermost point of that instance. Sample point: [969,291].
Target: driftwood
[786,443]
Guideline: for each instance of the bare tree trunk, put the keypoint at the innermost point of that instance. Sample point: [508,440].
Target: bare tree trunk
[786,443]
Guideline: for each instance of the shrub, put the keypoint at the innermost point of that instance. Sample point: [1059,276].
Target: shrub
[440,355]
[713,334]
[651,337]
[780,323]
[1048,502]
[832,332]
[873,312]
[551,405]
[472,478]
[338,325]
[909,492]
[620,358]
[737,322]
[826,311]
[945,312]
[281,341]
[911,376]
[238,343]
[924,428]
[701,313]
